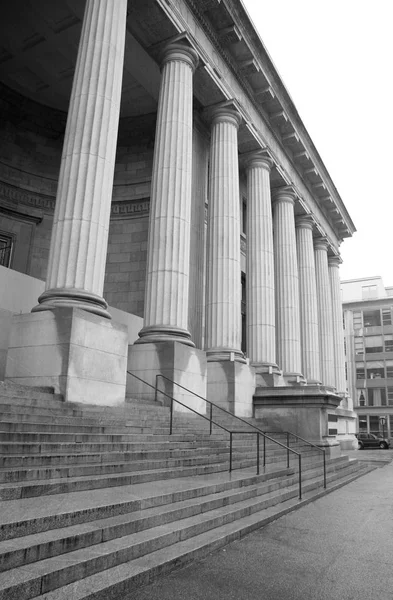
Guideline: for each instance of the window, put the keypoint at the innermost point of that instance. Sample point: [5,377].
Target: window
[362,399]
[357,320]
[243,313]
[371,318]
[389,368]
[360,372]
[244,217]
[369,291]
[386,316]
[390,396]
[388,338]
[375,370]
[373,343]
[376,397]
[359,345]
[362,422]
[6,242]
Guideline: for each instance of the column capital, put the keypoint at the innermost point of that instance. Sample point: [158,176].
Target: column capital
[305,221]
[321,243]
[226,112]
[259,159]
[335,261]
[178,51]
[284,194]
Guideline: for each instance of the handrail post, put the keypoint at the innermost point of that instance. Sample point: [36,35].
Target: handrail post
[230,451]
[211,418]
[287,449]
[264,450]
[300,476]
[171,422]
[324,469]
[156,389]
[258,452]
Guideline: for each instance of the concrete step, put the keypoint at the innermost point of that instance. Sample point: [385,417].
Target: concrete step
[53,573]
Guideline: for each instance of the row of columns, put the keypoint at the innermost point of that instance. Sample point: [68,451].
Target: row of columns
[290,302]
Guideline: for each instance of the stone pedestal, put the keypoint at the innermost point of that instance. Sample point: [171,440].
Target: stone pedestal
[231,385]
[82,355]
[176,361]
[303,411]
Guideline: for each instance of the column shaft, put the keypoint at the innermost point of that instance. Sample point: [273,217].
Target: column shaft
[223,309]
[287,284]
[338,330]
[261,328]
[324,313]
[168,264]
[79,241]
[308,300]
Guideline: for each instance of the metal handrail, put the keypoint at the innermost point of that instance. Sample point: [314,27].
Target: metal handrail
[259,431]
[289,433]
[231,433]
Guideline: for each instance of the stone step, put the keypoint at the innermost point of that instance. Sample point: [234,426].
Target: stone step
[52,573]
[80,438]
[19,415]
[12,448]
[31,548]
[12,491]
[64,483]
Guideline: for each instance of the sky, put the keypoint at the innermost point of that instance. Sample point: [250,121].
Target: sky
[335,58]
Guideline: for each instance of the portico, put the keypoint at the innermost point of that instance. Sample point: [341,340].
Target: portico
[174,182]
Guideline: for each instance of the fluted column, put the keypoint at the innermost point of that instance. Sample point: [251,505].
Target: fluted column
[223,304]
[338,330]
[324,312]
[286,283]
[79,241]
[167,275]
[308,300]
[261,323]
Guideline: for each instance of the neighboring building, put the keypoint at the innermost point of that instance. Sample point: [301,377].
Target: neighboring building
[367,307]
[173,176]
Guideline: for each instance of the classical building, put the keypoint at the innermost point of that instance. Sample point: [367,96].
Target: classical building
[367,306]
[163,208]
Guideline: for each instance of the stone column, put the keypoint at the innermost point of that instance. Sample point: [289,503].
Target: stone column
[261,322]
[167,276]
[324,312]
[338,330]
[287,284]
[308,300]
[223,308]
[78,248]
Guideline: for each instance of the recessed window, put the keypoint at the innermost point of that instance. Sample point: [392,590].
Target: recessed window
[371,318]
[6,243]
[373,343]
[388,339]
[244,217]
[386,316]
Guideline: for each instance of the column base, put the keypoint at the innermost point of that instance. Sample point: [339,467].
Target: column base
[225,354]
[164,333]
[81,355]
[302,410]
[73,298]
[184,365]
[231,385]
[293,379]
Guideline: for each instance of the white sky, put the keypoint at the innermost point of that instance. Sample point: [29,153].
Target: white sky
[336,60]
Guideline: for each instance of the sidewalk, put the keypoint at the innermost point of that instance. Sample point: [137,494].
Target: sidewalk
[339,547]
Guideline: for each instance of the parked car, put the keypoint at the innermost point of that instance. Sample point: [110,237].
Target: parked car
[369,440]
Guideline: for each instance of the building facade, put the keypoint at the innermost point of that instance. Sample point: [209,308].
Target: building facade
[151,156]
[367,307]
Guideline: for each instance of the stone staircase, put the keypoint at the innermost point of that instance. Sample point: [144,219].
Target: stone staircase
[97,501]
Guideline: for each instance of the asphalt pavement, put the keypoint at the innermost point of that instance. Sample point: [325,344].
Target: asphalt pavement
[338,547]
